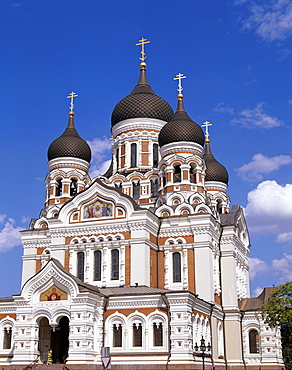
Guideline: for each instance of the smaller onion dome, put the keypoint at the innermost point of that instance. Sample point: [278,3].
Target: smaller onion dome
[142,102]
[215,171]
[181,128]
[70,144]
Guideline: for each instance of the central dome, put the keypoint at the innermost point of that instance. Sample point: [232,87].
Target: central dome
[142,102]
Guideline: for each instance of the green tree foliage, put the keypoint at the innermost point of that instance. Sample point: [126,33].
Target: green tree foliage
[278,312]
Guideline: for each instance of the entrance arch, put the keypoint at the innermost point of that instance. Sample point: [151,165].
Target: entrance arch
[55,338]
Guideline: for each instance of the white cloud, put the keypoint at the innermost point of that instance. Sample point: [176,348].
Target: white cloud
[269,209]
[101,154]
[25,219]
[257,267]
[223,108]
[2,218]
[290,101]
[283,268]
[256,117]
[257,291]
[9,236]
[260,165]
[271,20]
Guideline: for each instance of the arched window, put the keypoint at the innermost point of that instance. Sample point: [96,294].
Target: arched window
[80,265]
[118,186]
[73,187]
[117,335]
[176,267]
[137,335]
[7,336]
[136,190]
[177,174]
[115,264]
[253,337]
[59,188]
[219,205]
[134,155]
[117,158]
[193,174]
[154,188]
[97,266]
[158,334]
[155,155]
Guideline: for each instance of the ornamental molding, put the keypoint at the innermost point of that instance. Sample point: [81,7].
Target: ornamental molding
[90,230]
[36,244]
[131,304]
[136,124]
[68,162]
[183,146]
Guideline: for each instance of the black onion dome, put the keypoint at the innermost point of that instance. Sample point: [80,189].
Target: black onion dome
[70,144]
[142,102]
[215,171]
[181,128]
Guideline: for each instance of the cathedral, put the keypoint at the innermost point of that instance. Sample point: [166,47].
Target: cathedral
[148,259]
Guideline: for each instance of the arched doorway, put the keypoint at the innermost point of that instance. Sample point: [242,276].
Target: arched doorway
[55,338]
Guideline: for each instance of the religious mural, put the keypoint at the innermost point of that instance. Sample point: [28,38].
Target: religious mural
[98,209]
[53,294]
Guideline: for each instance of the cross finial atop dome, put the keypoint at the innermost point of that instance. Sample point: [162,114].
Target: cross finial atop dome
[207,134]
[71,96]
[142,42]
[179,77]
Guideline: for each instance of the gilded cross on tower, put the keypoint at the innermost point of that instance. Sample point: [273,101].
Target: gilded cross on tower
[72,96]
[143,42]
[179,77]
[207,134]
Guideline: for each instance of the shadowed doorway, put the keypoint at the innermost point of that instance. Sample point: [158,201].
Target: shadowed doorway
[57,339]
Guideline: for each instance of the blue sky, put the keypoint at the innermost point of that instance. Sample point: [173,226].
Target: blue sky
[236,55]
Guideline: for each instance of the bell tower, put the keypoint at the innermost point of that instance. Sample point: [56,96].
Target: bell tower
[68,160]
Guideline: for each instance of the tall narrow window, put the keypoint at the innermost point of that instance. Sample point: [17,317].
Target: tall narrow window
[80,265]
[7,335]
[155,155]
[253,341]
[137,335]
[176,266]
[59,188]
[157,335]
[118,186]
[73,187]
[136,190]
[177,174]
[97,266]
[117,158]
[154,188]
[193,175]
[117,335]
[115,264]
[134,155]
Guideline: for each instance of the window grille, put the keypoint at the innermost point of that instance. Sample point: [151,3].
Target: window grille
[176,267]
[137,335]
[134,155]
[253,341]
[117,335]
[154,188]
[80,265]
[115,264]
[155,155]
[158,334]
[97,266]
[136,190]
[7,335]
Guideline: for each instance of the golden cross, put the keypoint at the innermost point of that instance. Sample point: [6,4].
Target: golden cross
[207,134]
[179,77]
[72,96]
[143,42]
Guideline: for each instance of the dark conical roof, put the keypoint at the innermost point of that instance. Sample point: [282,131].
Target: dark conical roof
[70,144]
[181,128]
[142,102]
[215,171]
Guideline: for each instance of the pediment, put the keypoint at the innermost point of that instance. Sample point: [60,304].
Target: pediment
[98,203]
